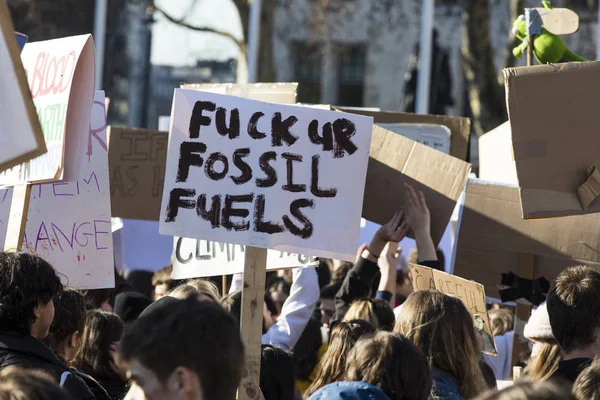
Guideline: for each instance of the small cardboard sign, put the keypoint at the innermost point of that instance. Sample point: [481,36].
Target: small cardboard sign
[21,137]
[136,159]
[60,73]
[194,258]
[472,294]
[69,222]
[265,175]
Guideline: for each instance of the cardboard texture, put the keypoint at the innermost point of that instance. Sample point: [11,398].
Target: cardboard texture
[472,294]
[496,161]
[556,140]
[395,160]
[492,236]
[460,127]
[137,159]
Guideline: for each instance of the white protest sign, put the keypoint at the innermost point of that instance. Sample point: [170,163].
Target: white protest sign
[60,73]
[283,177]
[195,258]
[21,137]
[436,136]
[69,223]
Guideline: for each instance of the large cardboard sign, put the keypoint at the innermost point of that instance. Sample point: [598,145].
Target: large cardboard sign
[69,222]
[60,73]
[396,160]
[195,258]
[472,294]
[492,236]
[435,136]
[281,93]
[459,127]
[21,137]
[265,175]
[137,159]
[553,118]
[496,160]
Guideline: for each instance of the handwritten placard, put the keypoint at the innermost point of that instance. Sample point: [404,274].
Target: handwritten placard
[21,137]
[69,222]
[435,136]
[137,159]
[193,258]
[470,293]
[60,74]
[265,175]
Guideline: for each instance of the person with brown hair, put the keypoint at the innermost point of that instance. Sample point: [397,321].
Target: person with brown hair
[392,363]
[200,289]
[574,313]
[525,390]
[375,311]
[16,383]
[66,331]
[587,385]
[442,327]
[183,349]
[332,366]
[545,350]
[101,338]
[162,280]
[501,321]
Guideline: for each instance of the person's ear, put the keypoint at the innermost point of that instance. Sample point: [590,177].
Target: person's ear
[75,340]
[183,382]
[36,312]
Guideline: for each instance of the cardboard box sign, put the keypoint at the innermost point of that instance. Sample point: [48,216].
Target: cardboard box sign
[472,294]
[395,160]
[460,127]
[21,137]
[554,117]
[136,159]
[492,235]
[496,160]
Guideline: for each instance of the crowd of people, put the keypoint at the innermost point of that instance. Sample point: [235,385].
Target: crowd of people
[338,331]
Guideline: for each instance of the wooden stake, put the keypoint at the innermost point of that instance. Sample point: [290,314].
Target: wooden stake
[223,285]
[253,292]
[19,208]
[529,51]
[523,311]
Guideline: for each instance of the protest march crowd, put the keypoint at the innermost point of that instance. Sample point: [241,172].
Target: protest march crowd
[338,331]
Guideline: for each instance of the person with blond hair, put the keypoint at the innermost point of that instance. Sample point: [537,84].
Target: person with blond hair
[545,350]
[200,289]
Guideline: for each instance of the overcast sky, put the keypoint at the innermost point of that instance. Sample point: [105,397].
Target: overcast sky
[178,46]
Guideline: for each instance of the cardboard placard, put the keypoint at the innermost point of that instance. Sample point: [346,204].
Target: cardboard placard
[496,160]
[136,159]
[472,294]
[560,21]
[435,136]
[69,223]
[252,173]
[460,127]
[21,137]
[553,118]
[60,73]
[395,160]
[492,236]
[194,258]
[280,93]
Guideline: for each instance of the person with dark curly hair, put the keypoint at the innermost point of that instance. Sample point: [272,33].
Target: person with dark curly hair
[28,285]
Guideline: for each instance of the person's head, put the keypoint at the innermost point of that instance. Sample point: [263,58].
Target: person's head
[279,291]
[200,289]
[233,304]
[501,321]
[332,366]
[129,306]
[28,284]
[436,322]
[392,363]
[183,349]
[545,350]
[162,280]
[101,338]
[525,390]
[327,300]
[20,384]
[377,312]
[340,270]
[277,373]
[574,309]
[66,331]
[587,385]
[98,299]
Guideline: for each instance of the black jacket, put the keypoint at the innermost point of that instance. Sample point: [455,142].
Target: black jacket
[569,370]
[27,352]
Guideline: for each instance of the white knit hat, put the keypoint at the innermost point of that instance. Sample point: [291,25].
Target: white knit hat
[538,326]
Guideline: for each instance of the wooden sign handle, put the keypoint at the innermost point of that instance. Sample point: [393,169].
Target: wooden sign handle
[19,208]
[523,311]
[253,292]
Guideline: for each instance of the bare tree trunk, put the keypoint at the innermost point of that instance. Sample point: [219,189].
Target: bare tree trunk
[517,7]
[485,94]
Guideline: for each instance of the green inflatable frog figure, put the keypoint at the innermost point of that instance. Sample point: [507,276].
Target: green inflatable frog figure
[548,48]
